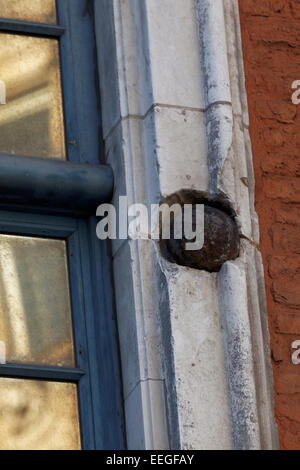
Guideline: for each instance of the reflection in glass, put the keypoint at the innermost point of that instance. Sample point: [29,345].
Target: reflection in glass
[35,311]
[36,415]
[43,11]
[31,121]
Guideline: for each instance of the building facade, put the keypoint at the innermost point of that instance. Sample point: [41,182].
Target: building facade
[176,101]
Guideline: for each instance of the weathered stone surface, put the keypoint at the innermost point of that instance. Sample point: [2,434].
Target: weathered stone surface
[160,139]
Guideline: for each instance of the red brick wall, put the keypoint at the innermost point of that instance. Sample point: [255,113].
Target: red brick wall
[271,46]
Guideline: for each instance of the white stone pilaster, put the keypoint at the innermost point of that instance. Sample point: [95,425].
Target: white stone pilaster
[175,117]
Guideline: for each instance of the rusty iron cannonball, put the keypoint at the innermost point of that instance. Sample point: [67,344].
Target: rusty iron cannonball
[221,242]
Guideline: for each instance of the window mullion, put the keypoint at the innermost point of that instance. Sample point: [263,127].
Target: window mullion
[27,27]
[58,374]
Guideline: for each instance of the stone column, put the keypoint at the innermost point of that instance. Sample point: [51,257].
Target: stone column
[193,343]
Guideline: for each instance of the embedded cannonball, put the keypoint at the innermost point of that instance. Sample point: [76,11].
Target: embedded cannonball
[221,242]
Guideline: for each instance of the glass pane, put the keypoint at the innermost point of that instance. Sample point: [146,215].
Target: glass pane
[43,11]
[36,415]
[35,311]
[31,121]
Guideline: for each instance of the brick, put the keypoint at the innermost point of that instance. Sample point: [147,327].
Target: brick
[281,346]
[287,292]
[255,8]
[289,440]
[275,31]
[288,214]
[295,8]
[286,239]
[287,321]
[271,47]
[279,164]
[272,137]
[284,267]
[289,407]
[279,6]
[289,380]
[282,112]
[282,188]
[285,112]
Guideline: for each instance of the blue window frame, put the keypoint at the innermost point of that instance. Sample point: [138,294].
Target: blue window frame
[56,199]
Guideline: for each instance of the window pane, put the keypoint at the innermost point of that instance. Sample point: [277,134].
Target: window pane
[35,311]
[36,415]
[31,121]
[43,11]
